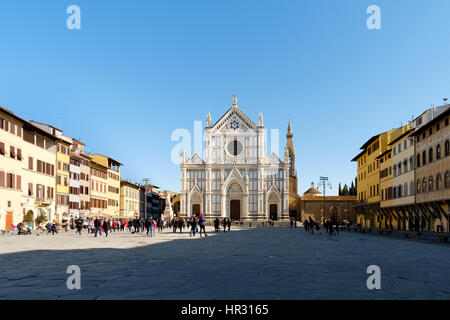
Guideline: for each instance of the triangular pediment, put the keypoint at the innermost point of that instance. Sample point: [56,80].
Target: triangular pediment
[234,175]
[196,189]
[273,192]
[234,120]
[195,159]
[273,159]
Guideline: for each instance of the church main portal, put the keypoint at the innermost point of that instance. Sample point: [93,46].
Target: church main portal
[235,209]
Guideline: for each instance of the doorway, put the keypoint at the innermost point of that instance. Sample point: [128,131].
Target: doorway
[273,209]
[196,210]
[9,220]
[235,209]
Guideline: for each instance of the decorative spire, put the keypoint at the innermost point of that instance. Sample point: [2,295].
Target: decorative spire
[234,101]
[289,134]
[208,120]
[183,156]
[260,121]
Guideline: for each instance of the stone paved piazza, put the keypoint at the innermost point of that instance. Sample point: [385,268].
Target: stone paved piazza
[258,263]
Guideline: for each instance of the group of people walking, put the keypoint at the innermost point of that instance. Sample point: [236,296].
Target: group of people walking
[98,226]
[331,226]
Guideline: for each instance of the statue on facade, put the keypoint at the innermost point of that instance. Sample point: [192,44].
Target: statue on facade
[208,120]
[168,211]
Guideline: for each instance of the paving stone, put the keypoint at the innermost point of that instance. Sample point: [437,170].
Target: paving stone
[264,263]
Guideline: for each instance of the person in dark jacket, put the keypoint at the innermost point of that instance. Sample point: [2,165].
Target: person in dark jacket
[79,226]
[229,223]
[54,228]
[216,224]
[106,227]
[224,224]
[193,226]
[97,226]
[147,226]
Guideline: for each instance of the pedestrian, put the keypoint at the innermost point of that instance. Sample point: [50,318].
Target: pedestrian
[106,227]
[79,226]
[216,224]
[153,224]
[229,224]
[147,226]
[193,226]
[202,223]
[54,227]
[97,227]
[224,224]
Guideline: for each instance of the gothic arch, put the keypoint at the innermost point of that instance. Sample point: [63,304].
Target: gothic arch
[273,204]
[195,198]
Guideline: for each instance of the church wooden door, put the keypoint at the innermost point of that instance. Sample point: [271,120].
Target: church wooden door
[273,212]
[235,209]
[195,209]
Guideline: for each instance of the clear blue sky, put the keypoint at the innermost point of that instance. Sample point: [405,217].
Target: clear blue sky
[137,70]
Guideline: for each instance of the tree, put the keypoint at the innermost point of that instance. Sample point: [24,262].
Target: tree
[41,219]
[345,191]
[28,218]
[352,189]
[340,189]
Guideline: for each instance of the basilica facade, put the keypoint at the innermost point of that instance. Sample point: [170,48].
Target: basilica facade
[236,178]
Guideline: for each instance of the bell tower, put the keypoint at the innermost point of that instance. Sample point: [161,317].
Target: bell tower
[293,181]
[291,156]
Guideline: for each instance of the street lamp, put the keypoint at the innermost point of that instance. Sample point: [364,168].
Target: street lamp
[325,183]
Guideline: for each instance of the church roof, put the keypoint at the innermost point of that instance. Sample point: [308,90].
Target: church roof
[238,110]
[312,191]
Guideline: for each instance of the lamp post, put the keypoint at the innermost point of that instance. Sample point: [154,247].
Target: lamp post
[324,182]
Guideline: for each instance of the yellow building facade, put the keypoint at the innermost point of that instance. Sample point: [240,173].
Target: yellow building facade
[113,183]
[11,145]
[27,168]
[62,180]
[129,199]
[99,189]
[368,174]
[386,184]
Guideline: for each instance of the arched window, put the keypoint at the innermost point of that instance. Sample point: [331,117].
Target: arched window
[419,186]
[438,152]
[418,161]
[399,191]
[405,189]
[424,158]
[411,188]
[447,179]
[438,181]
[447,148]
[424,185]
[430,183]
[430,155]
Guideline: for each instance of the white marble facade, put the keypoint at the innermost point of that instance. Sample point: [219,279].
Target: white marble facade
[236,178]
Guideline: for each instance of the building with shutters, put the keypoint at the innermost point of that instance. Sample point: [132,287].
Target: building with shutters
[27,166]
[63,145]
[129,199]
[113,183]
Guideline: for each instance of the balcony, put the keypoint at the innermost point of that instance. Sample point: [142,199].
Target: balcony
[43,201]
